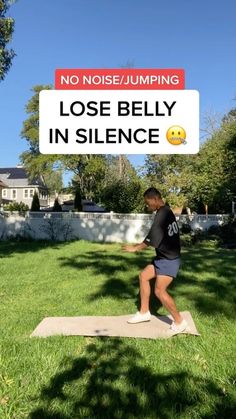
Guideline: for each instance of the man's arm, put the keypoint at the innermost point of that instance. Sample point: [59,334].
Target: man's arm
[156,233]
[132,248]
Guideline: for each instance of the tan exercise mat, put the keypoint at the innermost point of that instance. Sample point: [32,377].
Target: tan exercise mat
[157,327]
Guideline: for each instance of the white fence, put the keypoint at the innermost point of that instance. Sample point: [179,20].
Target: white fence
[101,227]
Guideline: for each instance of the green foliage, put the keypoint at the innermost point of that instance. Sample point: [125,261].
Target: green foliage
[6,31]
[35,162]
[35,206]
[122,188]
[166,173]
[230,117]
[89,172]
[54,181]
[186,240]
[214,177]
[185,228]
[121,196]
[208,178]
[57,206]
[16,206]
[227,232]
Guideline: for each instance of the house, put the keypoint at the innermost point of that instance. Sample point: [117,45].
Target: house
[17,187]
[2,186]
[87,206]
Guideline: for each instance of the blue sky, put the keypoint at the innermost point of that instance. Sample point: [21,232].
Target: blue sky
[197,36]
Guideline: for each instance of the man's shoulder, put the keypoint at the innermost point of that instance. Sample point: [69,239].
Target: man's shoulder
[165,209]
[165,213]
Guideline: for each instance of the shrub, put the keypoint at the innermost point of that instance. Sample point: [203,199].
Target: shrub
[185,228]
[57,207]
[228,231]
[35,206]
[16,206]
[186,240]
[78,200]
[214,230]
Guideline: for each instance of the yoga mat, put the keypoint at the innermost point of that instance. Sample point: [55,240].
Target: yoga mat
[157,327]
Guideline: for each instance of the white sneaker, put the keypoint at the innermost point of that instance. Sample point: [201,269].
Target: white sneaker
[178,328]
[140,317]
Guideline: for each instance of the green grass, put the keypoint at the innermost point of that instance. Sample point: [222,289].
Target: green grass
[79,377]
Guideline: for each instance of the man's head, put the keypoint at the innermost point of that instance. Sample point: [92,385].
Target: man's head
[152,198]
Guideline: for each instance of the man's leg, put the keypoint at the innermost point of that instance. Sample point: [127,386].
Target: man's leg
[144,314]
[144,282]
[162,282]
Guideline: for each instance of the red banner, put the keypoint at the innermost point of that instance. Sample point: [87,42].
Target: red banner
[120,79]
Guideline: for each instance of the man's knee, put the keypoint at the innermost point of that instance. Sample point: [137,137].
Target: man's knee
[160,292]
[142,276]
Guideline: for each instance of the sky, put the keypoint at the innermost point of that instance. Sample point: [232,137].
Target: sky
[199,37]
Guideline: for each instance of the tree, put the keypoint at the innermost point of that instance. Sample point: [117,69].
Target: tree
[119,167]
[6,31]
[57,206]
[168,174]
[35,206]
[54,181]
[230,116]
[34,162]
[122,197]
[89,171]
[213,180]
[92,173]
[122,190]
[78,200]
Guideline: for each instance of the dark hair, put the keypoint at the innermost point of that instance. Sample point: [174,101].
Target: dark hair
[152,193]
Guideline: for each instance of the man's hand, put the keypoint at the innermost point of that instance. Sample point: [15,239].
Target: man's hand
[132,248]
[129,248]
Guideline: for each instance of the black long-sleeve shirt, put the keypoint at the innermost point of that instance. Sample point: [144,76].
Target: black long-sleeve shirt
[164,234]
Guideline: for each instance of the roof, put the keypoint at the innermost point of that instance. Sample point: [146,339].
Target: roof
[18,177]
[88,206]
[2,184]
[14,172]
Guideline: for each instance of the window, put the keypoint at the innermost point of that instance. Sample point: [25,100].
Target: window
[43,195]
[26,193]
[4,193]
[31,193]
[13,193]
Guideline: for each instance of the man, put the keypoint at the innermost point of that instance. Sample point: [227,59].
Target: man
[164,236]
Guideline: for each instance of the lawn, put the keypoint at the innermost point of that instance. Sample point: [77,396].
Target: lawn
[81,377]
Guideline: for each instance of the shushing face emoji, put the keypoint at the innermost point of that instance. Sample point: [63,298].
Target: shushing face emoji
[176,135]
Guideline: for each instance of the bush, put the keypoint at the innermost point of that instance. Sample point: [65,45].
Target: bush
[35,206]
[16,206]
[214,230]
[57,207]
[228,231]
[186,240]
[78,201]
[185,228]
[122,197]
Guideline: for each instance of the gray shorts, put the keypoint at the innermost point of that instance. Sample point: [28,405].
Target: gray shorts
[169,267]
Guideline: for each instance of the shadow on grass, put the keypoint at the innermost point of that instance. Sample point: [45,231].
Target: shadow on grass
[207,277]
[113,267]
[108,381]
[10,247]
